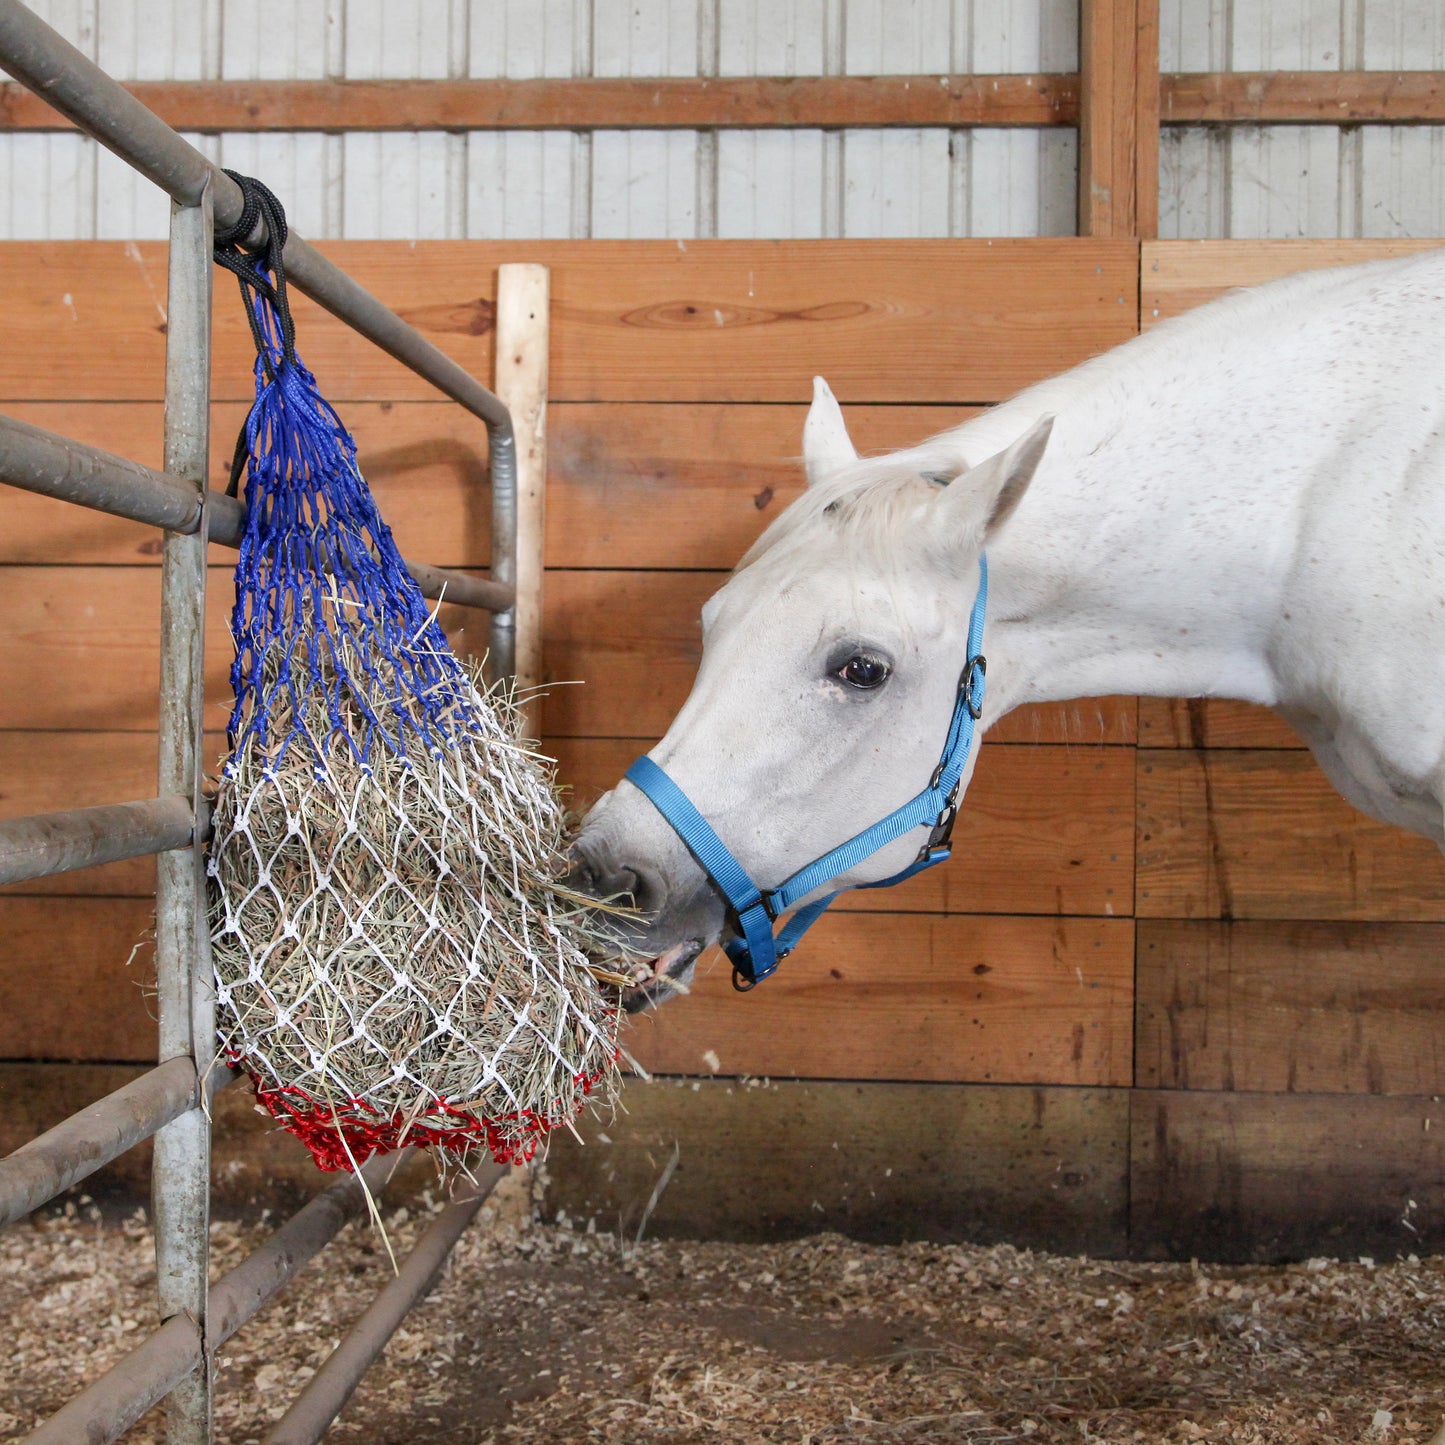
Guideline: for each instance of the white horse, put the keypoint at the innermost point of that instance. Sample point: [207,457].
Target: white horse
[1246,502]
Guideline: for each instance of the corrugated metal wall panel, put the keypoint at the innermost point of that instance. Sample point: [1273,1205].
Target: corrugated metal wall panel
[1302,180]
[1270,181]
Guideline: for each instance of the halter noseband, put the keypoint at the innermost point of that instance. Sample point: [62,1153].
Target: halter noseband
[757,952]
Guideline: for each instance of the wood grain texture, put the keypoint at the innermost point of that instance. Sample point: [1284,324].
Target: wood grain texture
[630,485]
[585,103]
[1303,97]
[69,987]
[1270,1177]
[1119,118]
[916,997]
[81,654]
[1245,834]
[1352,1008]
[1044,830]
[1176,276]
[1211,722]
[881,1162]
[912,321]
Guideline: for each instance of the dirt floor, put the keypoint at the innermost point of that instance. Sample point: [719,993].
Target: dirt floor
[543,1334]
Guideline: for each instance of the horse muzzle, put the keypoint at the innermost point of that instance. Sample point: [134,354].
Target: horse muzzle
[673,918]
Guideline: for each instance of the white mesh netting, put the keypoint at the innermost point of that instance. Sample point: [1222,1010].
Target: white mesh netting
[394,962]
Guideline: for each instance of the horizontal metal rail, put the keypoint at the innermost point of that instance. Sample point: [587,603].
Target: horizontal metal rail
[36,1172]
[106,1409]
[45,843]
[40,461]
[325,1394]
[56,71]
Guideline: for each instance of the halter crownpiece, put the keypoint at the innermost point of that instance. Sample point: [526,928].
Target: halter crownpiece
[756,952]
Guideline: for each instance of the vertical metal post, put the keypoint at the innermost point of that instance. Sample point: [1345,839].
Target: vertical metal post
[181,1185]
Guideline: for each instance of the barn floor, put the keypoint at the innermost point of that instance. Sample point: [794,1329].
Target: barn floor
[542,1334]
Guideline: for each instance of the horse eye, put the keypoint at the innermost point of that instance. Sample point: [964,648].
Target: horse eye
[864,672]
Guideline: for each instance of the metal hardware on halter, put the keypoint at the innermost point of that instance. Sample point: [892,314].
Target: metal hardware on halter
[756,950]
[975,667]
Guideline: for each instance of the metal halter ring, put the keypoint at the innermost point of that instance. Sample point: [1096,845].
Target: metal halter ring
[975,668]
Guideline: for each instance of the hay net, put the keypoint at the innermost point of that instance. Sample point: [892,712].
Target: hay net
[394,963]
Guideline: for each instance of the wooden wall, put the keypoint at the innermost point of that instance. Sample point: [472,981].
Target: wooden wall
[1172,996]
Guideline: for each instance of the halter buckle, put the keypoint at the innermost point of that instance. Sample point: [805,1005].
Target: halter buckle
[973,676]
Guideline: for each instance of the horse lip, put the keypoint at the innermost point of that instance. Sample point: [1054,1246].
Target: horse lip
[666,966]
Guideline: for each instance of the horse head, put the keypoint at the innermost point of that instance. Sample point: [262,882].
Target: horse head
[830,670]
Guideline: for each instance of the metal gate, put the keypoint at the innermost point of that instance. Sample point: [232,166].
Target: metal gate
[171,1101]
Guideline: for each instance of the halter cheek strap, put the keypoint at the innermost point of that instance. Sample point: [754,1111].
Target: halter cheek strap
[756,952]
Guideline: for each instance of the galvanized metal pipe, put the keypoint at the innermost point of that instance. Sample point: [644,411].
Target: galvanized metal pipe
[107,1408]
[88,1140]
[40,844]
[248,1288]
[37,460]
[185,990]
[325,1394]
[62,1156]
[40,461]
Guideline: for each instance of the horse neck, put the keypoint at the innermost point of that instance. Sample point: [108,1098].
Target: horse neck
[1138,561]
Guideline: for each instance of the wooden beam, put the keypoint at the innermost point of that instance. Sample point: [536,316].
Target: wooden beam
[959,321]
[1119,118]
[1304,97]
[742,102]
[523,339]
[1288,97]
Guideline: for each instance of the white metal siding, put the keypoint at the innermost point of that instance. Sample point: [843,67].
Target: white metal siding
[1302,180]
[1280,180]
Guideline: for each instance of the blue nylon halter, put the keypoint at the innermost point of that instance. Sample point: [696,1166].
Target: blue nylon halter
[757,952]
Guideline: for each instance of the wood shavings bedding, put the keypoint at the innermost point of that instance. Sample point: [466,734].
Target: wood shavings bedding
[543,1334]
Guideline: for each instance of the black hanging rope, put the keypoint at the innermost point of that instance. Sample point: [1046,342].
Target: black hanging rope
[261,272]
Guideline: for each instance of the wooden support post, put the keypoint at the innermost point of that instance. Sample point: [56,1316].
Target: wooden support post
[1119,118]
[522,340]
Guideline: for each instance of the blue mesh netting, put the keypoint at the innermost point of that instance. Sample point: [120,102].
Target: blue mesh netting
[325,608]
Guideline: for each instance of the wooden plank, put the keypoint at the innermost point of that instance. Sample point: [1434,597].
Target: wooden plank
[523,302]
[1044,830]
[585,103]
[1353,1008]
[959,321]
[1179,275]
[81,654]
[1119,118]
[1270,1177]
[67,990]
[955,999]
[1244,834]
[1211,722]
[1042,1168]
[630,484]
[1304,97]
[1289,97]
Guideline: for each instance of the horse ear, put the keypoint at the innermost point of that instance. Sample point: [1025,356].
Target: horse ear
[826,445]
[988,494]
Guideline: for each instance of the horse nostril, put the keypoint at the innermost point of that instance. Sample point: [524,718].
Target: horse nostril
[631,885]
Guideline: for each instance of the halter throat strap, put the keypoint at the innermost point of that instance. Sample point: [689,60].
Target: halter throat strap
[756,952]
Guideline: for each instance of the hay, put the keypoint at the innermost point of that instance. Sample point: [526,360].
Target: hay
[395,961]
